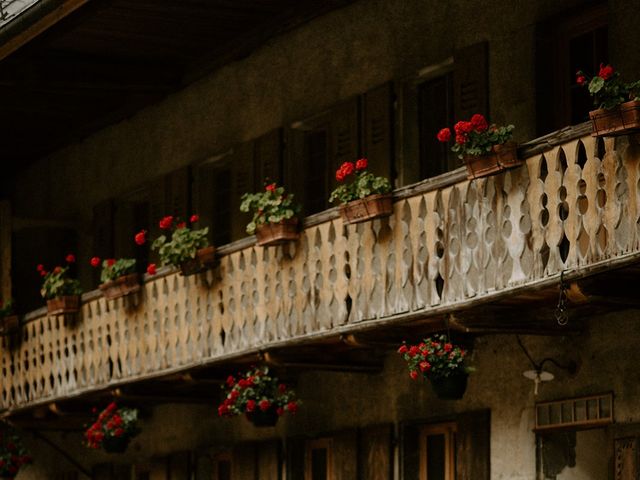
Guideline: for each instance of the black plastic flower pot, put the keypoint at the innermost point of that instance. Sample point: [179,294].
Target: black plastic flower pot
[267,418]
[115,444]
[450,388]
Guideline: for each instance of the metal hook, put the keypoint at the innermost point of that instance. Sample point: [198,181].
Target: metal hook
[561,314]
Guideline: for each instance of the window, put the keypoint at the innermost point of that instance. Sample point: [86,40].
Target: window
[565,45]
[437,452]
[222,467]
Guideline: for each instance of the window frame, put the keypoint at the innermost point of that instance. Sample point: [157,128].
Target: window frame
[448,429]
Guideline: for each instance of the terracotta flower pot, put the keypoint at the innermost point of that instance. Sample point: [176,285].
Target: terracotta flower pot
[63,305]
[259,418]
[450,388]
[502,157]
[121,286]
[205,259]
[116,444]
[9,324]
[367,208]
[277,233]
[621,120]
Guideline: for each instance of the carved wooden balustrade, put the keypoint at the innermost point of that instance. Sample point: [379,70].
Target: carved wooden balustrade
[571,207]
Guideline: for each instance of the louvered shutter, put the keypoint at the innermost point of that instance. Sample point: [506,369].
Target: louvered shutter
[268,151]
[295,455]
[472,445]
[177,193]
[5,250]
[626,459]
[243,172]
[471,81]
[378,129]
[375,452]
[344,138]
[410,451]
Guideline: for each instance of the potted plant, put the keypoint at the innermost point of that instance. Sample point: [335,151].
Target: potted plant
[274,215]
[113,429]
[441,362]
[362,195]
[259,396]
[618,105]
[188,248]
[13,455]
[61,292]
[485,149]
[118,277]
[8,321]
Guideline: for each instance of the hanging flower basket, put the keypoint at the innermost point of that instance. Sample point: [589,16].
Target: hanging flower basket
[63,305]
[501,157]
[441,362]
[259,396]
[13,454]
[268,418]
[113,429]
[367,208]
[121,286]
[205,258]
[268,234]
[620,120]
[451,387]
[115,444]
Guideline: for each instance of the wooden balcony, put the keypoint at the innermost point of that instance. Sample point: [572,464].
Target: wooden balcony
[458,254]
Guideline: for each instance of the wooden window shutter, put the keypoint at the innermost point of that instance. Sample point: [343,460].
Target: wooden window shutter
[471,81]
[378,133]
[180,466]
[472,445]
[293,164]
[5,250]
[435,111]
[376,453]
[268,152]
[243,174]
[244,462]
[269,460]
[410,451]
[177,193]
[345,145]
[295,450]
[345,455]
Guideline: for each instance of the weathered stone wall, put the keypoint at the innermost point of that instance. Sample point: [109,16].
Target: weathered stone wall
[336,401]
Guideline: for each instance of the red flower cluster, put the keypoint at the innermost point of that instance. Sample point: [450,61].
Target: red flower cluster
[271,187]
[152,269]
[256,390]
[13,455]
[434,357]
[70,258]
[347,168]
[463,128]
[580,79]
[41,270]
[194,218]
[95,262]
[110,423]
[606,72]
[141,237]
[166,223]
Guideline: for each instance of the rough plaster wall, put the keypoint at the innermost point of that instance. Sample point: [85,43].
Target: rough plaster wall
[334,401]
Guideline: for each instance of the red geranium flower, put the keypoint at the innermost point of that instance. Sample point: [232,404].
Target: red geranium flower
[413,374]
[264,405]
[461,139]
[271,187]
[194,218]
[444,135]
[339,176]
[111,262]
[166,222]
[40,267]
[182,225]
[251,405]
[479,123]
[95,261]
[292,407]
[151,269]
[581,80]
[347,168]
[362,164]
[71,258]
[57,270]
[463,127]
[141,237]
[605,72]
